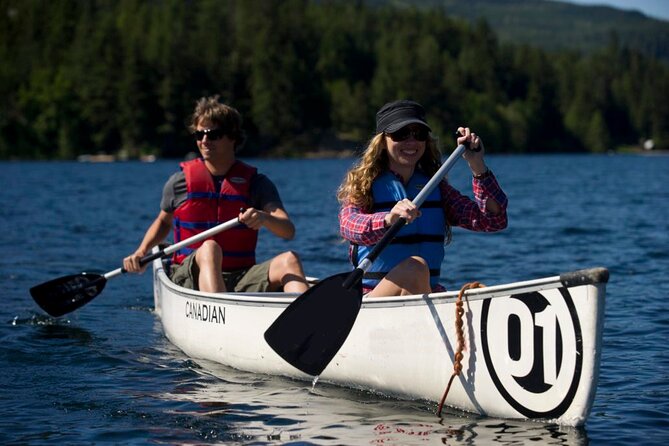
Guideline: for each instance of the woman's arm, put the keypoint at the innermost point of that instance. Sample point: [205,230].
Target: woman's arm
[359,227]
[487,213]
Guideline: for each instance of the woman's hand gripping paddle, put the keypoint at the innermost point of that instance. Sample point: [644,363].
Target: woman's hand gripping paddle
[65,294]
[310,332]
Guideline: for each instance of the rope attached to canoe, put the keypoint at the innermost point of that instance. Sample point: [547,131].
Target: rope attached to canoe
[457,359]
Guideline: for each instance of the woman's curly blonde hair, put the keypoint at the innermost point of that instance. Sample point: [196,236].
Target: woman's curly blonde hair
[356,189]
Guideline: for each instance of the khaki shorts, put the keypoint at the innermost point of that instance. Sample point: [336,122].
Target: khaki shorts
[249,280]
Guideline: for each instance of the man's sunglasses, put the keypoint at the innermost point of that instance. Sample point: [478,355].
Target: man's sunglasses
[212,134]
[419,134]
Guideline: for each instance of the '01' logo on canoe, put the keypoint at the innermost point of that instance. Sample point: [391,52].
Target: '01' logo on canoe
[533,350]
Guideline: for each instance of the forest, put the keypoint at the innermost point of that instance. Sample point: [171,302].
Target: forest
[121,77]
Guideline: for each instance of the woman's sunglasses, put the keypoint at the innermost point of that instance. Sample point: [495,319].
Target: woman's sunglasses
[212,134]
[419,134]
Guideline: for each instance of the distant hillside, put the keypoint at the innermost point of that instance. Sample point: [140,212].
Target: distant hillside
[554,25]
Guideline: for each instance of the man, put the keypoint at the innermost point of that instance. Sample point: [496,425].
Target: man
[214,189]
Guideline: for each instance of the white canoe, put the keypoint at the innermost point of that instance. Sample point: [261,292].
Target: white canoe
[532,348]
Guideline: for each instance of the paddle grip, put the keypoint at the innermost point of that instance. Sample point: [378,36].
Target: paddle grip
[151,257]
[466,144]
[143,261]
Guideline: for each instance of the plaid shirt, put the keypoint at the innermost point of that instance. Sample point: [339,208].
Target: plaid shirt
[363,228]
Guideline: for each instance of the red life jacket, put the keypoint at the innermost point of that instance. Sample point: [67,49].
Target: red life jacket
[205,207]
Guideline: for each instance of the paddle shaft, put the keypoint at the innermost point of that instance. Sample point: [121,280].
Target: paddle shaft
[177,246]
[390,234]
[312,329]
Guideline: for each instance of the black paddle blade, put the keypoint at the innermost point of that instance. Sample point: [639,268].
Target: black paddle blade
[65,294]
[310,332]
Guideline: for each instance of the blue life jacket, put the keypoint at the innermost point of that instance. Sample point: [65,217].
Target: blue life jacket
[423,237]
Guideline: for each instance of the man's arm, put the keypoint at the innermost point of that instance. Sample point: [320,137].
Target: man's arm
[272,217]
[157,232]
[267,209]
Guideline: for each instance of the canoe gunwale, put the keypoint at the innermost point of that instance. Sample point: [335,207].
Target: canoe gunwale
[590,276]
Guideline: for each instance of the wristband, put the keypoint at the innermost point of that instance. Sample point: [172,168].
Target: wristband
[483,175]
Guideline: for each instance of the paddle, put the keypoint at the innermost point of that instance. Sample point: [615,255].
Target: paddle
[65,294]
[312,329]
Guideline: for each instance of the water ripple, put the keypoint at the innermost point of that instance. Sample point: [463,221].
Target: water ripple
[107,374]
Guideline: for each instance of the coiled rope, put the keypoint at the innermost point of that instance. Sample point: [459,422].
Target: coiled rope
[457,359]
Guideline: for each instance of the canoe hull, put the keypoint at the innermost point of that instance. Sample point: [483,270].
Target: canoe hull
[532,348]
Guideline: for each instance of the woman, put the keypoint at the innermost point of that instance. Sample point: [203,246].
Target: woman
[398,161]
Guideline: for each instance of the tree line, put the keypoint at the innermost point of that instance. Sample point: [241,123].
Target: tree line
[122,76]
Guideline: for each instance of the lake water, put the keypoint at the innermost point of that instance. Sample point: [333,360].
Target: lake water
[106,374]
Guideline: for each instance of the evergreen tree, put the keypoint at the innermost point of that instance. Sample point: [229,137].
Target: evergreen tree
[122,76]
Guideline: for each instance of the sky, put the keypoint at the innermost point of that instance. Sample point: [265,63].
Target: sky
[658,9]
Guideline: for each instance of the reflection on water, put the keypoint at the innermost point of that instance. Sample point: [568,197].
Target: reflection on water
[265,408]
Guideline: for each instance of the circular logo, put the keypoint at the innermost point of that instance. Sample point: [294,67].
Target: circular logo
[533,349]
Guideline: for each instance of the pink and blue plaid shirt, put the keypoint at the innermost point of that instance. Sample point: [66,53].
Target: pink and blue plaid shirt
[362,228]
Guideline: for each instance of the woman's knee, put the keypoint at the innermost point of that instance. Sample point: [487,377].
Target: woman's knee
[414,270]
[415,265]
[410,276]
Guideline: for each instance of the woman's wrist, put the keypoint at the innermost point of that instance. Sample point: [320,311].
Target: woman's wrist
[485,173]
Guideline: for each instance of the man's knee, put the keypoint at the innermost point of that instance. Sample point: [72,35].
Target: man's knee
[208,251]
[289,261]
